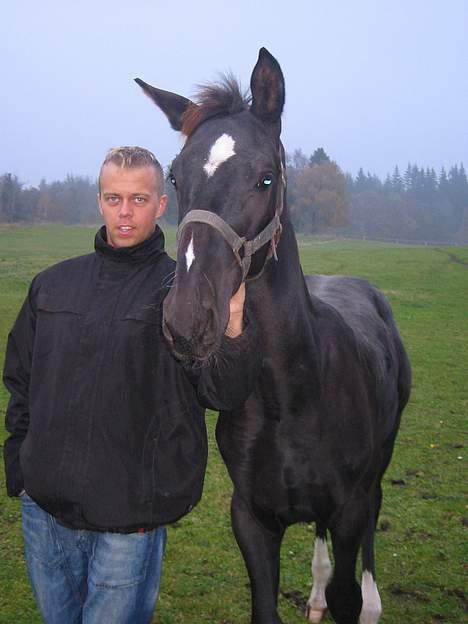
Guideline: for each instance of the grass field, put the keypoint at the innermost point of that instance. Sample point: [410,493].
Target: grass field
[421,544]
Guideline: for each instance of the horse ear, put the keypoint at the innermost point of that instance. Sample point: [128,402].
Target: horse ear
[171,104]
[267,87]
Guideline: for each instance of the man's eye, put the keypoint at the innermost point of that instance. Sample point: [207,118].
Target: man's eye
[140,200]
[112,199]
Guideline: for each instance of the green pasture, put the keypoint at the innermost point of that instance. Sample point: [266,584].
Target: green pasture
[421,543]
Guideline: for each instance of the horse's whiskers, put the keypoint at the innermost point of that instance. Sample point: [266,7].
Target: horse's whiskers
[168,281]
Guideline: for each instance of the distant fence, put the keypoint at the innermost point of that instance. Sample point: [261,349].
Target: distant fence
[407,241]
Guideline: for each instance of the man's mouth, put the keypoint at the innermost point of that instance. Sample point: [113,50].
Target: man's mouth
[125,228]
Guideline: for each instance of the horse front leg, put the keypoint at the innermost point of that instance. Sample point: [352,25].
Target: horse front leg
[343,594]
[260,548]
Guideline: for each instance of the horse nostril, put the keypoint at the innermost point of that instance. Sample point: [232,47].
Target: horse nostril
[207,329]
[182,346]
[167,332]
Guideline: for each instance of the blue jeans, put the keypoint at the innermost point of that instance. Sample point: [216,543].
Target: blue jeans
[88,577]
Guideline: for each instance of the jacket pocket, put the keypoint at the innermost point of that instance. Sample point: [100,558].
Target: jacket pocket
[146,313]
[147,318]
[175,454]
[57,320]
[57,302]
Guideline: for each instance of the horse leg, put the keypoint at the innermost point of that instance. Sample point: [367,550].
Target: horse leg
[321,572]
[371,604]
[260,548]
[343,594]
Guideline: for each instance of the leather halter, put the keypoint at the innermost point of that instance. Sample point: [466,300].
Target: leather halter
[242,248]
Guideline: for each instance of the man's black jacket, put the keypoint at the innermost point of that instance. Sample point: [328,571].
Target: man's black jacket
[106,428]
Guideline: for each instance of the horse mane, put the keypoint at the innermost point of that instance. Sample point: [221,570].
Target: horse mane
[219,99]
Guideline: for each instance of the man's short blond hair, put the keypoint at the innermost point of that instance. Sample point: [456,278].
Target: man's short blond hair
[132,157]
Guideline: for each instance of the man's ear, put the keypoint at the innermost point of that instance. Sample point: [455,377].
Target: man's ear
[162,206]
[171,104]
[98,196]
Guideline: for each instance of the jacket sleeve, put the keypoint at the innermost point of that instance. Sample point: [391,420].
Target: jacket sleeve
[227,378]
[16,376]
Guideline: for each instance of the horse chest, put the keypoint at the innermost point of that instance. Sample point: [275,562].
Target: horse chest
[291,452]
[277,464]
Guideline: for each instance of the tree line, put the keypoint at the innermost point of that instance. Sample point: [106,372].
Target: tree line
[417,204]
[69,201]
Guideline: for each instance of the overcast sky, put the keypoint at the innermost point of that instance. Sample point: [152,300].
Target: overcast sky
[376,83]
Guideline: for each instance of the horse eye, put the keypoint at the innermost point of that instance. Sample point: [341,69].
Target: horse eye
[265,181]
[172,179]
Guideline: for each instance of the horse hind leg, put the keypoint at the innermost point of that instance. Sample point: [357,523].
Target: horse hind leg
[321,572]
[371,603]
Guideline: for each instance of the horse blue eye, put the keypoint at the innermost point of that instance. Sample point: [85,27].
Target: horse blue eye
[265,181]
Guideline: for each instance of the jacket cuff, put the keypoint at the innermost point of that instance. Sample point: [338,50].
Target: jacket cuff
[13,473]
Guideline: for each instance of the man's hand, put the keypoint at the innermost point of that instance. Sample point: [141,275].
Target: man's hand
[236,313]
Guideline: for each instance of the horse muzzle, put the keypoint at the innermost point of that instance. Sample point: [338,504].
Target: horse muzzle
[192,334]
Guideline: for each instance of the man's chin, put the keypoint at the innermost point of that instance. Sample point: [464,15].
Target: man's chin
[124,240]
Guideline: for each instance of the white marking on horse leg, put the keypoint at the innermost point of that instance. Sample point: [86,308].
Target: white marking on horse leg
[371,604]
[221,150]
[189,254]
[321,572]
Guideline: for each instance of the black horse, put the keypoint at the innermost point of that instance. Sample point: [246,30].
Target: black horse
[315,437]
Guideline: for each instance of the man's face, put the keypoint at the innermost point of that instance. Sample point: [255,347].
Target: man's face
[130,203]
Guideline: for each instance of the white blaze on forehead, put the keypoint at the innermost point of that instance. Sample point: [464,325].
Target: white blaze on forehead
[189,254]
[221,150]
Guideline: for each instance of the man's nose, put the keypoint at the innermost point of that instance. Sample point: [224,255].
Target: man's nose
[126,208]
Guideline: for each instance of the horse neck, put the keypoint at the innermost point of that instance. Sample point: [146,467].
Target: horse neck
[282,289]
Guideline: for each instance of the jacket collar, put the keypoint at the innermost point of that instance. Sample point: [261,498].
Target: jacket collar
[151,247]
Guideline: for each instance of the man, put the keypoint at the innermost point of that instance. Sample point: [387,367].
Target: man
[107,437]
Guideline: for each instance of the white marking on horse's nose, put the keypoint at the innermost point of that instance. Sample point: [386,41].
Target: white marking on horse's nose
[221,150]
[189,254]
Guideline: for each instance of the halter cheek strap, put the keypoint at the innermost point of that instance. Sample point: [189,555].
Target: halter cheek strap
[242,248]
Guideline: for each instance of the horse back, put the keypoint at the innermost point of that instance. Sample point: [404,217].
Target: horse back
[366,312]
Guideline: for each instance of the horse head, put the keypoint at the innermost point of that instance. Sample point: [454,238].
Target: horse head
[229,180]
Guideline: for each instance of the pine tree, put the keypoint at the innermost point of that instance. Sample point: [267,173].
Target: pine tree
[299,159]
[349,183]
[407,179]
[387,185]
[360,183]
[458,188]
[397,181]
[373,182]
[443,182]
[319,157]
[10,188]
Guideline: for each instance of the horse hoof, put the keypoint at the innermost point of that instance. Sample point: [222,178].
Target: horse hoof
[314,615]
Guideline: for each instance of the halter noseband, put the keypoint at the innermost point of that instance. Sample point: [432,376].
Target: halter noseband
[271,233]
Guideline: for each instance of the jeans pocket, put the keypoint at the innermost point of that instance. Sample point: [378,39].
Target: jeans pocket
[40,540]
[121,560]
